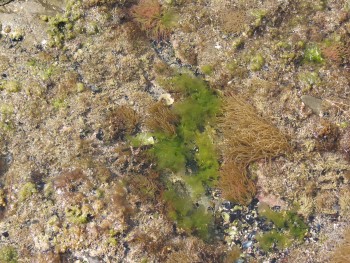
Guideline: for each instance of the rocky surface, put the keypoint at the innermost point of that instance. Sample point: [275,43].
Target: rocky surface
[72,190]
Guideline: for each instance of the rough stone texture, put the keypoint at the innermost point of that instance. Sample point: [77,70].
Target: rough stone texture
[49,128]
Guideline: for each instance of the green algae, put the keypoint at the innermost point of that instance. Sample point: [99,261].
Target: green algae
[190,152]
[191,218]
[257,62]
[170,154]
[289,227]
[198,108]
[191,159]
[271,238]
[313,54]
[77,215]
[62,26]
[27,191]
[207,69]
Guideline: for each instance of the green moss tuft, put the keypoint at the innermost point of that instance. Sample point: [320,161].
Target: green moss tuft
[6,117]
[170,154]
[59,103]
[11,86]
[207,69]
[199,107]
[313,53]
[257,62]
[77,215]
[27,191]
[169,19]
[205,155]
[295,225]
[275,217]
[61,26]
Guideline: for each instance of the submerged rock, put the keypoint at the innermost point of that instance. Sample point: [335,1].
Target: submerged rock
[247,244]
[313,103]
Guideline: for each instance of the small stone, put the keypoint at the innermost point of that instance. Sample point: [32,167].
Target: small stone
[235,215]
[227,204]
[247,244]
[313,103]
[95,89]
[252,235]
[167,98]
[237,207]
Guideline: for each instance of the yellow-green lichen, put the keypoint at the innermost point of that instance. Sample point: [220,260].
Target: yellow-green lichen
[77,215]
[257,62]
[11,86]
[27,190]
[8,254]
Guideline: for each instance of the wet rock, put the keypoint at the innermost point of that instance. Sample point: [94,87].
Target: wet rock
[247,244]
[235,215]
[249,219]
[227,205]
[252,235]
[313,103]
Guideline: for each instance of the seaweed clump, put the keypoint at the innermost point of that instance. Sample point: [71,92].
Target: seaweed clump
[62,27]
[235,184]
[152,18]
[163,120]
[247,138]
[184,146]
[120,122]
[190,218]
[288,227]
[326,134]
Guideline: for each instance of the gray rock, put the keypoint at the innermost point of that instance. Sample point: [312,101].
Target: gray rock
[313,103]
[247,244]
